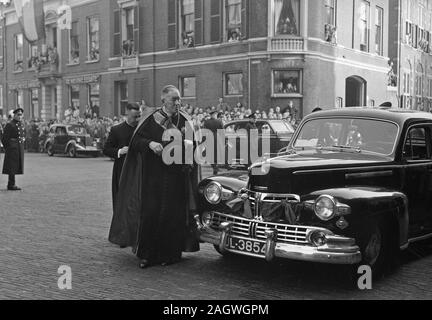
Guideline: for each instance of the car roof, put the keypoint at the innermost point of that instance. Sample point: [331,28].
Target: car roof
[257,120]
[397,115]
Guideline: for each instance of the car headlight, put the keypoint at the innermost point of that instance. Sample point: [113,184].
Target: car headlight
[325,207]
[78,140]
[213,193]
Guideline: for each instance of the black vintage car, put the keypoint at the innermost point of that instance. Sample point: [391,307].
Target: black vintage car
[353,187]
[279,133]
[71,139]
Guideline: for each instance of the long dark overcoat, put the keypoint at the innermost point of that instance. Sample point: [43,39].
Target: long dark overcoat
[13,142]
[130,207]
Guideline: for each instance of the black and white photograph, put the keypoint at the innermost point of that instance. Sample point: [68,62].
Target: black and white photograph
[238,152]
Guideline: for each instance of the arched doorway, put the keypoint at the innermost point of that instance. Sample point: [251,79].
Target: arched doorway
[355,88]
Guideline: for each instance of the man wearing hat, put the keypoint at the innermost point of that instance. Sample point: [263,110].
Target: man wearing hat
[117,144]
[214,124]
[13,141]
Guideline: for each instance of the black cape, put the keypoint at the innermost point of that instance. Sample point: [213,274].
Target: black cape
[129,205]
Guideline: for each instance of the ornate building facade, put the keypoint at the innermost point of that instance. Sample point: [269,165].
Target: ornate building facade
[262,53]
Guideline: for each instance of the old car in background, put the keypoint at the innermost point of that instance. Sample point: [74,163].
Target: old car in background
[279,133]
[353,187]
[72,140]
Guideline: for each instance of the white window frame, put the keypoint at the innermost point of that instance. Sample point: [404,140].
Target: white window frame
[181,85]
[368,24]
[225,84]
[16,56]
[89,45]
[225,21]
[71,62]
[380,10]
[283,95]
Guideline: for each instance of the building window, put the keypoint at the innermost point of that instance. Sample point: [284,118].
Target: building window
[20,98]
[121,88]
[74,44]
[187,20]
[34,98]
[364,25]
[233,20]
[18,55]
[93,38]
[286,82]
[74,94]
[32,56]
[94,98]
[233,84]
[330,21]
[379,17]
[286,17]
[128,31]
[188,87]
[1,100]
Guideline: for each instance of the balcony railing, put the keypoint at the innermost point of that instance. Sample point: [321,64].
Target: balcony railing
[286,44]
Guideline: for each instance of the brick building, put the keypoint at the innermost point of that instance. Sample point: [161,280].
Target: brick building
[411,51]
[262,53]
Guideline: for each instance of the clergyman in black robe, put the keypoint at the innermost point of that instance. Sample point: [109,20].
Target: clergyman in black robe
[156,201]
[117,144]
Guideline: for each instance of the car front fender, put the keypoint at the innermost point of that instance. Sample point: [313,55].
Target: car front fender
[366,202]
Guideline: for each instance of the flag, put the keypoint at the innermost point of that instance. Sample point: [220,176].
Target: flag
[31,17]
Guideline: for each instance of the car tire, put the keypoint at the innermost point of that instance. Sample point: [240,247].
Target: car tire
[72,153]
[378,246]
[50,150]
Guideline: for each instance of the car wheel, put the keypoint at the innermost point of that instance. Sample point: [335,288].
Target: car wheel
[50,150]
[378,247]
[72,152]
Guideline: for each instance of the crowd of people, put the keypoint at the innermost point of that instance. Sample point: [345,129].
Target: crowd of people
[99,127]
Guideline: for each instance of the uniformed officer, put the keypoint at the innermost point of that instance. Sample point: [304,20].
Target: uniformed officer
[13,141]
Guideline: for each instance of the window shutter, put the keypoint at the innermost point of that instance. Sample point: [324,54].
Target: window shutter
[215,21]
[141,29]
[172,24]
[136,28]
[198,39]
[244,19]
[117,34]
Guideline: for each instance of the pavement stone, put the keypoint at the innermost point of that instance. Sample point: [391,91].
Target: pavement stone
[63,215]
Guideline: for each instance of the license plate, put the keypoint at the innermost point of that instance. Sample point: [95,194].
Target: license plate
[248,246]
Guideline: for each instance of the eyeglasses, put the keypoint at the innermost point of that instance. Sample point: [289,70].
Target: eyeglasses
[19,114]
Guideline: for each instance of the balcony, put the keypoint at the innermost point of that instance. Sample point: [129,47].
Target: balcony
[286,44]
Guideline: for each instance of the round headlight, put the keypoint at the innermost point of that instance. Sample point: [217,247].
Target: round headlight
[207,219]
[325,207]
[213,193]
[79,140]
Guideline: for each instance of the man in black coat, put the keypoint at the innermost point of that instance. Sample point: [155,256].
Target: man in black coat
[214,124]
[117,145]
[13,141]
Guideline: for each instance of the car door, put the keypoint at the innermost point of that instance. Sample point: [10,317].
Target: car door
[417,159]
[60,139]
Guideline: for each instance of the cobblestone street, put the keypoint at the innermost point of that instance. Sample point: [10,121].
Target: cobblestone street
[63,216]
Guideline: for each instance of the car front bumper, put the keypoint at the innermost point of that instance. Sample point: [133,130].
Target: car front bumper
[337,250]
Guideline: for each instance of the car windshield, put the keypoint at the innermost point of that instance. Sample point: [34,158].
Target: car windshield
[377,136]
[77,130]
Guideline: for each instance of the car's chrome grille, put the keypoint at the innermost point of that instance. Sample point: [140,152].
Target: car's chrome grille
[88,141]
[256,229]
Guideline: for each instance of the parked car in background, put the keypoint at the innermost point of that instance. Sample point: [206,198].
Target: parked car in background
[72,140]
[353,187]
[279,133]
